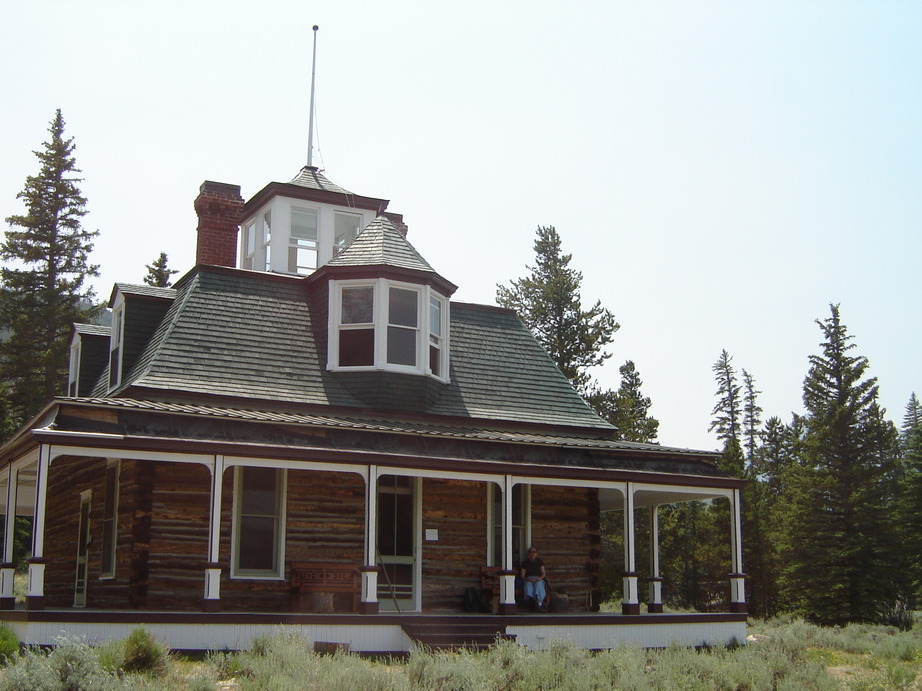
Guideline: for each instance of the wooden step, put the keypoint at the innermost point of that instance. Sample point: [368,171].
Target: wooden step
[451,636]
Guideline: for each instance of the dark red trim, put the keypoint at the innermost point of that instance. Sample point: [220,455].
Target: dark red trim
[507,609]
[7,603]
[630,608]
[737,575]
[398,460]
[510,572]
[655,608]
[369,607]
[211,605]
[630,574]
[655,579]
[293,191]
[36,560]
[35,603]
[370,569]
[224,617]
[739,607]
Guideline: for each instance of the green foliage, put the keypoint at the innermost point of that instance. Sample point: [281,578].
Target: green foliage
[9,643]
[548,302]
[627,408]
[728,407]
[144,654]
[158,274]
[752,416]
[43,289]
[839,547]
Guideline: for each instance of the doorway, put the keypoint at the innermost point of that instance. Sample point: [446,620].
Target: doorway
[398,543]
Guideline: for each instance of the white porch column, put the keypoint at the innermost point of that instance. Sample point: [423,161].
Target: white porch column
[737,578]
[507,575]
[655,603]
[8,566]
[213,567]
[369,602]
[630,604]
[36,595]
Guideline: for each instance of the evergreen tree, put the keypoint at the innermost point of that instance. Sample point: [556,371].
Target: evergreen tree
[727,409]
[158,274]
[627,408]
[909,513]
[548,302]
[43,289]
[752,416]
[838,566]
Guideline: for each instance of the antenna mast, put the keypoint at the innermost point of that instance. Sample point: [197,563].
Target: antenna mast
[310,133]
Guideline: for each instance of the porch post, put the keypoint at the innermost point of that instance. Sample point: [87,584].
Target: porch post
[507,575]
[630,603]
[36,595]
[655,603]
[213,567]
[369,603]
[737,578]
[8,567]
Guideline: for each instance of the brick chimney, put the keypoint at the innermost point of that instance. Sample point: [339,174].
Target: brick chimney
[219,207]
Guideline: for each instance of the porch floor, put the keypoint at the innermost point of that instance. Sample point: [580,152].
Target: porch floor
[376,633]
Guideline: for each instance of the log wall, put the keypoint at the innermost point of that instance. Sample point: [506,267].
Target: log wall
[458,510]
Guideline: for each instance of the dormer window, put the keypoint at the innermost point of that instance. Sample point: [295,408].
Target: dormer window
[387,325]
[73,372]
[116,346]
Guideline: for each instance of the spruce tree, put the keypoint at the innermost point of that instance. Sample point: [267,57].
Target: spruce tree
[752,416]
[627,408]
[43,290]
[839,567]
[549,303]
[158,273]
[909,516]
[728,407]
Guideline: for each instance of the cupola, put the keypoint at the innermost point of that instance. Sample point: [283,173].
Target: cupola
[298,226]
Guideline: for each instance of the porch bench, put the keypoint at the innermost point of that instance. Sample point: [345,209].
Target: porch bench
[319,577]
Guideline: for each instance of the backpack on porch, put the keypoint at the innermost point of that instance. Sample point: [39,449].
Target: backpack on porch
[473,602]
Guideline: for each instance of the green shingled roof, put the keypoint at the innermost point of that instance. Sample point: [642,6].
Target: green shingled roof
[381,244]
[255,336]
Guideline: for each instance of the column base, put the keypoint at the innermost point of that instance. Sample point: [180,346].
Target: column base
[7,603]
[35,602]
[739,607]
[630,608]
[655,607]
[507,608]
[369,607]
[212,605]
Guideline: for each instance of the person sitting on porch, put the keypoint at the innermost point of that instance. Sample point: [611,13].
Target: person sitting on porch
[535,577]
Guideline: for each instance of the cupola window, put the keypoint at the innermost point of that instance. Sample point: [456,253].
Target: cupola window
[381,324]
[303,248]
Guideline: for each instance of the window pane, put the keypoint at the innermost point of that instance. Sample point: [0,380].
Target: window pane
[111,478]
[435,360]
[356,347]
[302,258]
[304,223]
[257,542]
[358,305]
[345,229]
[402,307]
[259,491]
[401,346]
[435,316]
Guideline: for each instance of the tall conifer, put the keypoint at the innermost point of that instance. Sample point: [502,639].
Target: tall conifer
[43,290]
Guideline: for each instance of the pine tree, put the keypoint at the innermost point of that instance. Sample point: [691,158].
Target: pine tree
[752,416]
[43,289]
[909,514]
[158,274]
[727,409]
[839,567]
[548,302]
[627,408]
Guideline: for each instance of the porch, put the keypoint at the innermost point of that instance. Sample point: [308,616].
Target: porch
[380,633]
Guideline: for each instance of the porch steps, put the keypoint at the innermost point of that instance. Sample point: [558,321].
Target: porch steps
[453,635]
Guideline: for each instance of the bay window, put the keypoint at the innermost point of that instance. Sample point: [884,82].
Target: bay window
[385,325]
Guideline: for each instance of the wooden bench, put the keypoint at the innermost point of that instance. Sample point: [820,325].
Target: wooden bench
[317,577]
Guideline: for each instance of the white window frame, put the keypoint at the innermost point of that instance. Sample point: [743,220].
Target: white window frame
[117,342]
[108,500]
[493,519]
[294,242]
[381,288]
[73,369]
[278,573]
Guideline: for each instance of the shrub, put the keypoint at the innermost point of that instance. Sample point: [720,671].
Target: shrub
[9,643]
[145,655]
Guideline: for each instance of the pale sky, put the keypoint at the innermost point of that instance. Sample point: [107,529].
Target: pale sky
[720,171]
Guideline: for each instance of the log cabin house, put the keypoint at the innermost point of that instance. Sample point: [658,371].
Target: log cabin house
[321,439]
